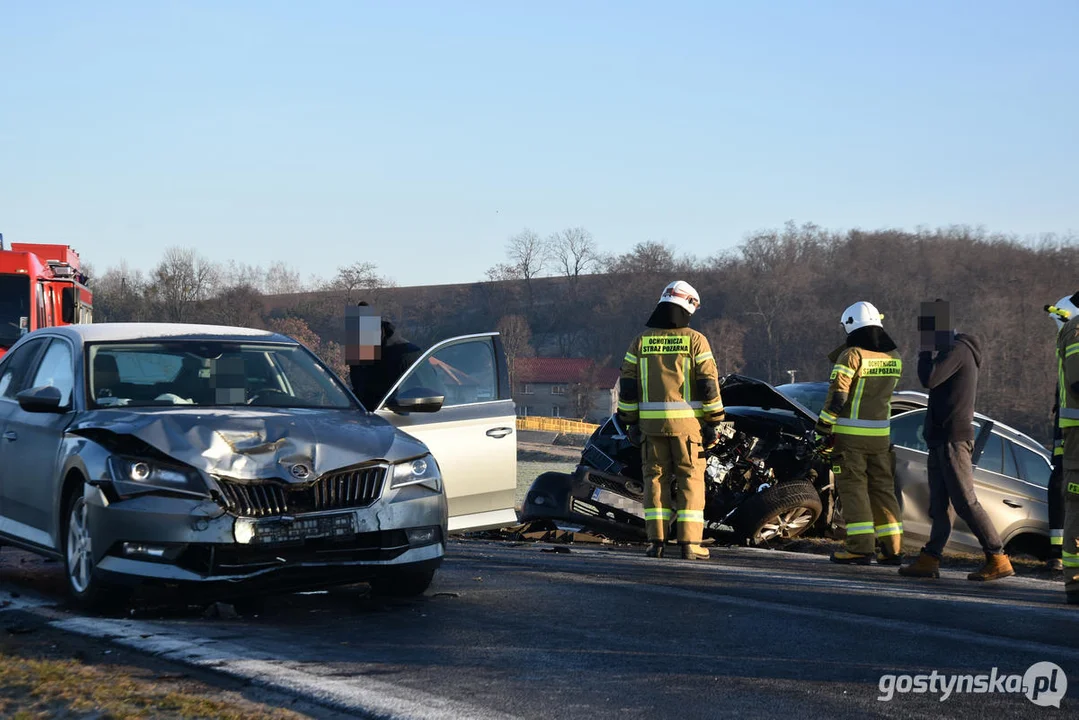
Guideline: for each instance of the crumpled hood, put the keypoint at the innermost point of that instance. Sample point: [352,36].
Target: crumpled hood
[744,391]
[250,444]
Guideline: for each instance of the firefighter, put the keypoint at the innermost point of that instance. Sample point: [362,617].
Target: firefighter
[853,430]
[670,403]
[1068,377]
[1061,312]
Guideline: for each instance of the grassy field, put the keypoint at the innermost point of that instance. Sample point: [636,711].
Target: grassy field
[46,673]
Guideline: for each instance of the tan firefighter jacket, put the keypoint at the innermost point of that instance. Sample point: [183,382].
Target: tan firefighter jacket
[863,381]
[669,383]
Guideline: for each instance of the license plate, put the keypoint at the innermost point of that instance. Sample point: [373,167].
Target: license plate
[337,526]
[615,500]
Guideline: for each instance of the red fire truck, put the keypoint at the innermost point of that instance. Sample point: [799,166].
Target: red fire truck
[40,286]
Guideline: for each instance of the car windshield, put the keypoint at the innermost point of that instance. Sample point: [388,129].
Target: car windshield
[809,395]
[14,308]
[210,374]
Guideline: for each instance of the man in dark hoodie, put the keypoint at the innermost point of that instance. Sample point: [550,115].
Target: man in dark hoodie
[951,376]
[853,430]
[373,369]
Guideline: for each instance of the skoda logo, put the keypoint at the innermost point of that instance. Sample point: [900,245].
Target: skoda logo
[300,472]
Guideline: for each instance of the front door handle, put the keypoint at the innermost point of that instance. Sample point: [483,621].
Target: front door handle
[499,432]
[11,435]
[1013,503]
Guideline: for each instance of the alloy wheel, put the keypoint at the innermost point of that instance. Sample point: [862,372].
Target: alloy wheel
[787,524]
[79,548]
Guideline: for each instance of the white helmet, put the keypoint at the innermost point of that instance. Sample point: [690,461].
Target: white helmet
[682,294]
[860,315]
[1065,303]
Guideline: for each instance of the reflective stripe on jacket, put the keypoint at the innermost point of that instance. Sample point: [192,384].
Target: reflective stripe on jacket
[868,379]
[669,383]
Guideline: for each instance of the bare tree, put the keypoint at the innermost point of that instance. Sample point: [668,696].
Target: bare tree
[280,279]
[182,279]
[357,276]
[528,256]
[516,339]
[119,294]
[574,251]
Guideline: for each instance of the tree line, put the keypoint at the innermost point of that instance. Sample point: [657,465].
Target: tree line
[770,306]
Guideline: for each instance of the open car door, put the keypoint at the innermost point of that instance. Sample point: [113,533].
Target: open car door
[473,435]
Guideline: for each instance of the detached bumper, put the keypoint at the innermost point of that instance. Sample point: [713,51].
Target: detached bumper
[577,500]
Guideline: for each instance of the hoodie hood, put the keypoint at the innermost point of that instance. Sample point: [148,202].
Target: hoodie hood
[871,338]
[668,316]
[975,346]
[250,444]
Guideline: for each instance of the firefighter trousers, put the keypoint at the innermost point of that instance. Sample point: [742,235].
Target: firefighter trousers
[679,459]
[1070,548]
[864,476]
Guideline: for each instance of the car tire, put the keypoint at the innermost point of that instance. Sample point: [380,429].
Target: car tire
[781,512]
[402,582]
[84,583]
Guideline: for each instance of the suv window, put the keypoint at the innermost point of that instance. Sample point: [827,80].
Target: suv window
[463,372]
[1009,460]
[907,431]
[1032,467]
[992,453]
[57,369]
[16,365]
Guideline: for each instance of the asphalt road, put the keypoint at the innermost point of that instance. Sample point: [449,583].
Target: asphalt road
[518,630]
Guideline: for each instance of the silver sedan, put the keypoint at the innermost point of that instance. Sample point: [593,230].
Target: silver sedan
[224,459]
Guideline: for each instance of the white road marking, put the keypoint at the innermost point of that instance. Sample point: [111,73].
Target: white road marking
[371,698]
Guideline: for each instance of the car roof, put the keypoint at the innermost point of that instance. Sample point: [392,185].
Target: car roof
[143,332]
[919,401]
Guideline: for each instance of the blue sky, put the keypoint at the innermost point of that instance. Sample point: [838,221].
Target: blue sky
[421,135]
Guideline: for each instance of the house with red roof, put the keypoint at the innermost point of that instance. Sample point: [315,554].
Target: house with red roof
[574,388]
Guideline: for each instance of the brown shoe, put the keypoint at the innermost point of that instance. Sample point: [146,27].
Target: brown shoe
[995,568]
[926,566]
[693,551]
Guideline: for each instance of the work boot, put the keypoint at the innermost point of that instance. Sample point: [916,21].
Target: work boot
[926,566]
[887,558]
[845,557]
[1054,564]
[655,549]
[996,567]
[693,551]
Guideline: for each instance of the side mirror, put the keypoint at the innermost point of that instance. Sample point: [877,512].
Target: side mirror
[44,399]
[67,305]
[420,400]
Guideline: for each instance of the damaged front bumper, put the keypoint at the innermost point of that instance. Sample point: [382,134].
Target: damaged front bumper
[168,539]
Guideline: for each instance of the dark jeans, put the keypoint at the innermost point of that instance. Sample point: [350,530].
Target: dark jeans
[951,493]
[1056,507]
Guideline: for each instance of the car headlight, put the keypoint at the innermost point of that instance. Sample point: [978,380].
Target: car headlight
[421,471]
[132,476]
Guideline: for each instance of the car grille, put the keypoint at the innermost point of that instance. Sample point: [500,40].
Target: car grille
[354,488]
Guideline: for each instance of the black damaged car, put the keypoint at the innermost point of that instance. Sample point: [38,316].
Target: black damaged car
[764,483]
